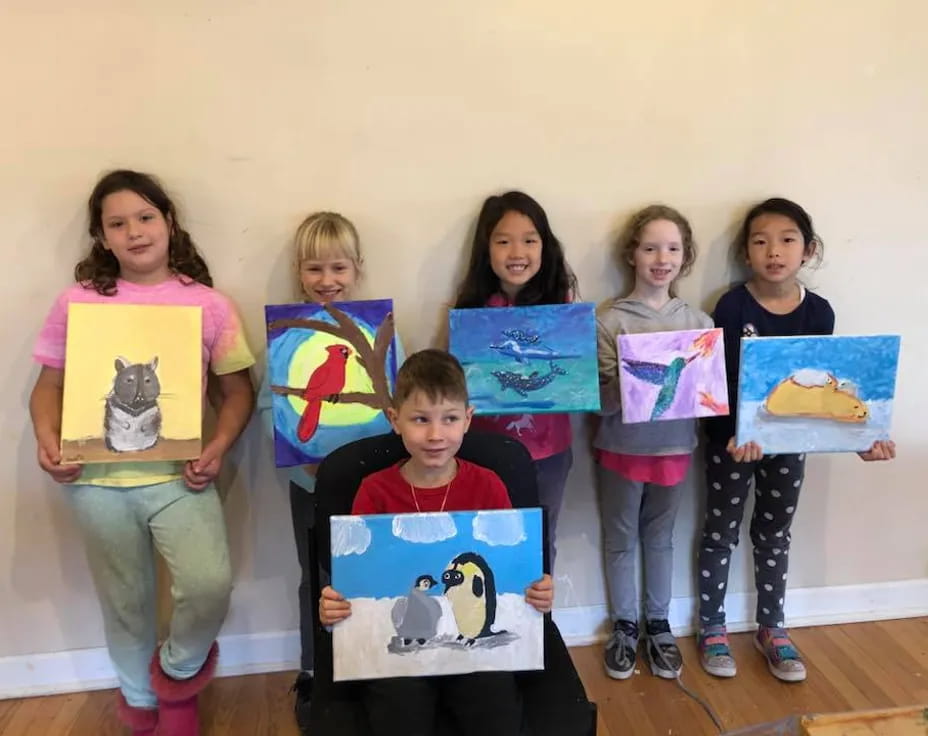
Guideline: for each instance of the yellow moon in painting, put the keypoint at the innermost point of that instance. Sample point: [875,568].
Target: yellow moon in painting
[309,356]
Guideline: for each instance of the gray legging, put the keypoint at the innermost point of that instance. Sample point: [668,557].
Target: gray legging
[552,479]
[634,512]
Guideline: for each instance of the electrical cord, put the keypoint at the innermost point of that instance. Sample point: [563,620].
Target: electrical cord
[678,679]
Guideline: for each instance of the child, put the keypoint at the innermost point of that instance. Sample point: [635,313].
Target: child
[776,240]
[142,255]
[643,468]
[431,415]
[328,265]
[516,260]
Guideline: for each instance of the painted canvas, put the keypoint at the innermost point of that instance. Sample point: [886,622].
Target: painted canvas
[528,360]
[331,370]
[672,375]
[816,394]
[132,383]
[437,593]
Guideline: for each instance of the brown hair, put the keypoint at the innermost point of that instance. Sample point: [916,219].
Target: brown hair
[435,373]
[631,237]
[101,268]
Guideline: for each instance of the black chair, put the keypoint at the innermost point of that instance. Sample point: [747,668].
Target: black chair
[555,702]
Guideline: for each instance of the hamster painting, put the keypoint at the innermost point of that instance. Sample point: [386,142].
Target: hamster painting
[132,420]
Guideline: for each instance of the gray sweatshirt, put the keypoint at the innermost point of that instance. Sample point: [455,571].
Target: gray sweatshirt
[629,316]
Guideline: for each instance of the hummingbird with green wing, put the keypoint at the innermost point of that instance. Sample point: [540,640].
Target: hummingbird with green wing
[667,376]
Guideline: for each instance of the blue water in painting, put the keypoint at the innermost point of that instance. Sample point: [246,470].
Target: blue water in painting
[389,565]
[566,339]
[282,344]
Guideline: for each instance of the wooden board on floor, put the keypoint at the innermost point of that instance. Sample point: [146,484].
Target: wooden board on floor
[886,722]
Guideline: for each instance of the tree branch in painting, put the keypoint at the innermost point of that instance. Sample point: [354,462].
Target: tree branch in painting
[372,359]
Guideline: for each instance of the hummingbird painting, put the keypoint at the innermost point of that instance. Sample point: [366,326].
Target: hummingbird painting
[667,376]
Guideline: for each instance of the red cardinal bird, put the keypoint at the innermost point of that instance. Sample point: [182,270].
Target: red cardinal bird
[327,379]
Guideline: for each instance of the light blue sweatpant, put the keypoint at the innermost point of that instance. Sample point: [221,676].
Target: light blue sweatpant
[121,528]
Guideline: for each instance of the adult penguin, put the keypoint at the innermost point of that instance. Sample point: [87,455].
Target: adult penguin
[471,590]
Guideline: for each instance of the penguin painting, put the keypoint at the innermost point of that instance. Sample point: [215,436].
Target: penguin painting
[415,617]
[471,590]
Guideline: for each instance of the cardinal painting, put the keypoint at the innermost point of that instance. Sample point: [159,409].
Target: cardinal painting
[326,381]
[330,376]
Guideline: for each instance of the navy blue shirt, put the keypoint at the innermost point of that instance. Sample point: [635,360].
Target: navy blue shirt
[740,315]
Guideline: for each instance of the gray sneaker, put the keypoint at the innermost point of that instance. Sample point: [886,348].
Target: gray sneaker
[621,649]
[663,653]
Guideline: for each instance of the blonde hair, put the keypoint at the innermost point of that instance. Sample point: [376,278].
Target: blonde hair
[325,235]
[631,238]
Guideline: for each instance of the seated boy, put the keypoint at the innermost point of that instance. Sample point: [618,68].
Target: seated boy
[431,414]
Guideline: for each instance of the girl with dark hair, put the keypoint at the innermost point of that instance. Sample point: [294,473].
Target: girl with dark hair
[776,240]
[516,260]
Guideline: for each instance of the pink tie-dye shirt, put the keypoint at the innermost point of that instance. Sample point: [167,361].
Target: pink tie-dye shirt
[224,350]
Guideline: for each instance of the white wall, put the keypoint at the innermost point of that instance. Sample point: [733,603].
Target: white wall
[404,115]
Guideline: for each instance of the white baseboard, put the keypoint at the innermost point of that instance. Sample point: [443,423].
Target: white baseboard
[90,669]
[245,654]
[837,604]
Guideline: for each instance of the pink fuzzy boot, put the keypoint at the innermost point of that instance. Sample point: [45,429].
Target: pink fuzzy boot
[142,721]
[177,699]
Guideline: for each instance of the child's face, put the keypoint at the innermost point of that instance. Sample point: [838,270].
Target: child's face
[136,232]
[659,255]
[775,248]
[432,431]
[515,251]
[329,280]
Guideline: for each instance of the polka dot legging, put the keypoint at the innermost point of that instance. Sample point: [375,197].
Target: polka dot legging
[777,482]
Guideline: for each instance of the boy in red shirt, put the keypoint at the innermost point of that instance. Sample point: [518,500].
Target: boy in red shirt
[430,412]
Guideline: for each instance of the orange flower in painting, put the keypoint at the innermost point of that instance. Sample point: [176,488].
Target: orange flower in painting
[706,342]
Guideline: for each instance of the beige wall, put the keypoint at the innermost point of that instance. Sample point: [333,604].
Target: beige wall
[404,115]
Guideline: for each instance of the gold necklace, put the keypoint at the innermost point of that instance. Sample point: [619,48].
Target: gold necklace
[412,490]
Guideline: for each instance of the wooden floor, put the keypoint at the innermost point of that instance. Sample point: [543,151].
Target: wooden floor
[851,667]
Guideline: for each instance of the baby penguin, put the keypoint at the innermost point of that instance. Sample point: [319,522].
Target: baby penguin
[416,616]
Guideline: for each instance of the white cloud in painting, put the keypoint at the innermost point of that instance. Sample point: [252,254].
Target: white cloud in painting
[499,528]
[350,536]
[424,528]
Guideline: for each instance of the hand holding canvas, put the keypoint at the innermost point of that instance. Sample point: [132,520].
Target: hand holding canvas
[333,607]
[201,472]
[236,400]
[880,450]
[49,457]
[540,594]
[749,452]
